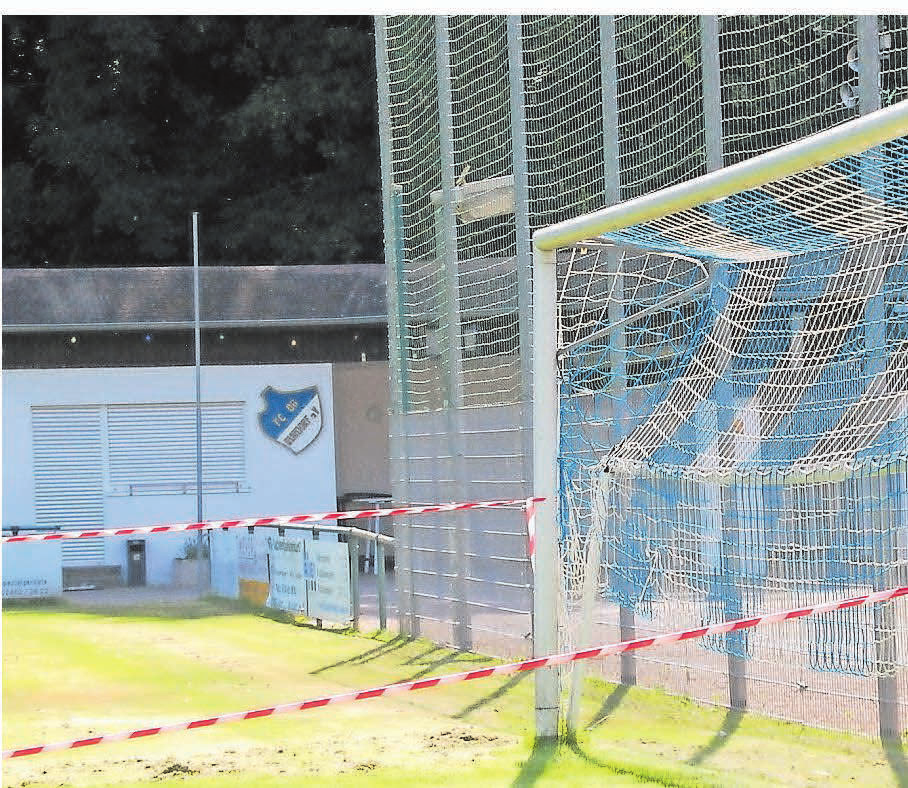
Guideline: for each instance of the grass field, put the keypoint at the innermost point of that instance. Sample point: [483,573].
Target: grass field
[68,674]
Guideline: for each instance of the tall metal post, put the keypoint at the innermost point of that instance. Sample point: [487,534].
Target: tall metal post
[884,622]
[712,115]
[712,91]
[523,228]
[524,245]
[545,479]
[448,244]
[592,560]
[198,385]
[608,44]
[392,200]
[868,33]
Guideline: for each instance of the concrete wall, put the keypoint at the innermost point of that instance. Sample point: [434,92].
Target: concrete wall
[278,481]
[361,427]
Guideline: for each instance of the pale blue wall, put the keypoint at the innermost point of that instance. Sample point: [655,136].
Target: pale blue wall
[279,481]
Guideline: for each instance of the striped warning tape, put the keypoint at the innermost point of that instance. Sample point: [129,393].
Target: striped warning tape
[282,520]
[531,529]
[453,678]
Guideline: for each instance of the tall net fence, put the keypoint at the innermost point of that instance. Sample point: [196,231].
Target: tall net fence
[460,309]
[493,127]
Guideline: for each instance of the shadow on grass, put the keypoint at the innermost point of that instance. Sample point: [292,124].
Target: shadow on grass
[643,773]
[448,659]
[468,659]
[609,705]
[534,766]
[492,696]
[381,650]
[720,739]
[419,657]
[895,754]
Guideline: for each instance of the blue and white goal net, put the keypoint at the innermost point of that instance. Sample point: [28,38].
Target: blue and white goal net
[734,408]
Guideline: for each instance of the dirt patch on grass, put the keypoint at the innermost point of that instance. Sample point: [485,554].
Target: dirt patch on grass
[176,768]
[364,751]
[452,739]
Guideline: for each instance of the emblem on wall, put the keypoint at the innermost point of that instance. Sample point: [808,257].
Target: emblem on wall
[292,418]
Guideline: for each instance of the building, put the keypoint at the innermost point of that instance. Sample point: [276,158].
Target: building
[99,400]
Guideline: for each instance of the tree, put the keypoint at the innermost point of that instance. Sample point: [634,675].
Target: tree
[116,128]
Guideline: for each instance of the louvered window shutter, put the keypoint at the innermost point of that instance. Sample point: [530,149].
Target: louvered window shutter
[152,448]
[69,477]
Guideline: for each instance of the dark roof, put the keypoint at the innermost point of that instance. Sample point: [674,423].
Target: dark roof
[231,296]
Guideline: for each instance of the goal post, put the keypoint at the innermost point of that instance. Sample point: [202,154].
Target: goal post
[770,394]
[545,477]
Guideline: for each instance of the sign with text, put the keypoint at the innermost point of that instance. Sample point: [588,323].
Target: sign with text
[32,569]
[329,594]
[287,584]
[309,576]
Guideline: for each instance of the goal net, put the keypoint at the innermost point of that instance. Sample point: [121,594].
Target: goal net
[733,409]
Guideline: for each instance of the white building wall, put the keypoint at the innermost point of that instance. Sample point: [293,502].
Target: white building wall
[277,480]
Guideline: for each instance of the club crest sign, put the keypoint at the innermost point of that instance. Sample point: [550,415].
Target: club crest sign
[292,418]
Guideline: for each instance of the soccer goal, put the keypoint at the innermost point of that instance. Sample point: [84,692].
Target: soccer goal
[721,408]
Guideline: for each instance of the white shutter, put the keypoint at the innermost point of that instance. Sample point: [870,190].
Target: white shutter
[69,488]
[152,448]
[223,444]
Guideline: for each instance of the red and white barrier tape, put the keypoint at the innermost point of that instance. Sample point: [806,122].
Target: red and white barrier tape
[531,529]
[481,673]
[282,520]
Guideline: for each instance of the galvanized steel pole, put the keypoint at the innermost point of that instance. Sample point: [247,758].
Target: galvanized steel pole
[198,383]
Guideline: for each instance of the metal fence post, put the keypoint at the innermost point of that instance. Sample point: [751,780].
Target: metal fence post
[524,261]
[608,47]
[392,198]
[380,558]
[448,248]
[884,623]
[353,551]
[712,118]
[524,242]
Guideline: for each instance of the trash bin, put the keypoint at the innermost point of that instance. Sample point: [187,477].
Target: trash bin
[135,562]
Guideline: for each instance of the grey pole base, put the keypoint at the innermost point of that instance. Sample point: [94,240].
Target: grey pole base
[627,630]
[737,682]
[887,690]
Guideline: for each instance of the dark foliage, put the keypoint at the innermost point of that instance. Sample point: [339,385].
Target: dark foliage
[116,128]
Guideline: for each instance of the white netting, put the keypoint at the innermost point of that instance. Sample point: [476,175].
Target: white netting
[893,58]
[734,414]
[660,102]
[562,84]
[499,126]
[455,301]
[782,78]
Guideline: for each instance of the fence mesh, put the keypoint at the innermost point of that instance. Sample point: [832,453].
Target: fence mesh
[498,126]
[782,78]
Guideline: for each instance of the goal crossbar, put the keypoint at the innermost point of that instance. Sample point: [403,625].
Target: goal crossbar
[816,150]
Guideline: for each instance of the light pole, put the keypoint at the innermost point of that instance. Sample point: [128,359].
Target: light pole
[198,381]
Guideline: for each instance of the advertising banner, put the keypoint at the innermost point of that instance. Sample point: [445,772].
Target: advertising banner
[309,577]
[329,594]
[287,584]
[32,569]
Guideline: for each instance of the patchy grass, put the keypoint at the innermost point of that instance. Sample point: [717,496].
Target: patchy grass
[68,674]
